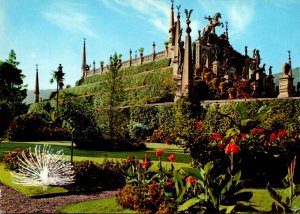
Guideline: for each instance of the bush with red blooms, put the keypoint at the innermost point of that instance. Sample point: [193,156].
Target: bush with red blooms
[11,159]
[257,149]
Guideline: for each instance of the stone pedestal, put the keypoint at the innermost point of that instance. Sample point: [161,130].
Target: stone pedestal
[285,86]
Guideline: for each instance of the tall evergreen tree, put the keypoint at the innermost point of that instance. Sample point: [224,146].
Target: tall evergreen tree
[12,91]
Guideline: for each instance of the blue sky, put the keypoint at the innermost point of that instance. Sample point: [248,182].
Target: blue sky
[50,32]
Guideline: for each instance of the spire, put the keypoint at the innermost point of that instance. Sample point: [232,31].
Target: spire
[187,73]
[37,90]
[226,32]
[171,30]
[83,60]
[290,63]
[177,35]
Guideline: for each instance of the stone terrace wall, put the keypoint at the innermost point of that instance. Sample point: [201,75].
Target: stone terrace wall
[133,62]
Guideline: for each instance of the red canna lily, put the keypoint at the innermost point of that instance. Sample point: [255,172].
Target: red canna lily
[232,148]
[191,179]
[171,158]
[159,152]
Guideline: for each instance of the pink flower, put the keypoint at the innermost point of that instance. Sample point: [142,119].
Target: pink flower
[170,183]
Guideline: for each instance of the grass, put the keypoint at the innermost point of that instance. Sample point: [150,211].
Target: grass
[106,205]
[182,160]
[261,201]
[98,156]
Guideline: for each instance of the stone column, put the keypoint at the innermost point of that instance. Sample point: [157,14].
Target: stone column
[130,58]
[153,53]
[187,73]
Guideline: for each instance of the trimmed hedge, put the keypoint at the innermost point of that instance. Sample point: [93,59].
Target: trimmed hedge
[127,71]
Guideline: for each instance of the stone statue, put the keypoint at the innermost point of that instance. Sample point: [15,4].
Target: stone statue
[213,22]
[286,68]
[256,57]
[270,71]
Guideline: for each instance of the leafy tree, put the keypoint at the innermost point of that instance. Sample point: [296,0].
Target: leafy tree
[113,87]
[58,76]
[12,59]
[12,91]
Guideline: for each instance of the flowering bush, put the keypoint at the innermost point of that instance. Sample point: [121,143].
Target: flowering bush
[257,149]
[11,159]
[185,190]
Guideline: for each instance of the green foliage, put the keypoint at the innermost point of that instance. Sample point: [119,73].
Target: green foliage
[151,66]
[86,131]
[138,131]
[91,176]
[12,91]
[288,201]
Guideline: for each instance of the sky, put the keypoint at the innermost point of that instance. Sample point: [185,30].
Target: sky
[51,32]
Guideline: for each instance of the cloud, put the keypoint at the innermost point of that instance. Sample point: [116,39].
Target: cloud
[69,16]
[153,11]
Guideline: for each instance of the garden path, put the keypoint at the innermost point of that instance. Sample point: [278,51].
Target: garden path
[12,201]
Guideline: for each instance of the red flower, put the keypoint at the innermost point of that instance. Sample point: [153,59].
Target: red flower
[232,148]
[145,164]
[171,158]
[62,103]
[282,133]
[170,183]
[266,143]
[257,131]
[168,142]
[216,136]
[198,124]
[273,136]
[220,145]
[159,152]
[191,179]
[244,136]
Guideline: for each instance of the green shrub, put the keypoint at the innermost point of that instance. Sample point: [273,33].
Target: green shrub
[91,176]
[80,118]
[138,131]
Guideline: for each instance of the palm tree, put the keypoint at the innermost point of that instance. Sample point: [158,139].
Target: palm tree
[59,77]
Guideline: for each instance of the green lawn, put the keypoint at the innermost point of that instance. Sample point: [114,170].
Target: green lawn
[261,201]
[98,156]
[106,205]
[182,160]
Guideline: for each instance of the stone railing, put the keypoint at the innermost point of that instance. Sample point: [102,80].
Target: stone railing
[131,62]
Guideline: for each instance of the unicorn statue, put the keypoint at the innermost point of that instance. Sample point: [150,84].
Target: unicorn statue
[213,22]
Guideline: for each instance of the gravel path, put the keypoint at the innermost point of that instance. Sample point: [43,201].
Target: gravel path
[12,201]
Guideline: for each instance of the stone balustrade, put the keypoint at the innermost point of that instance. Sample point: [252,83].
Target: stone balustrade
[130,63]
